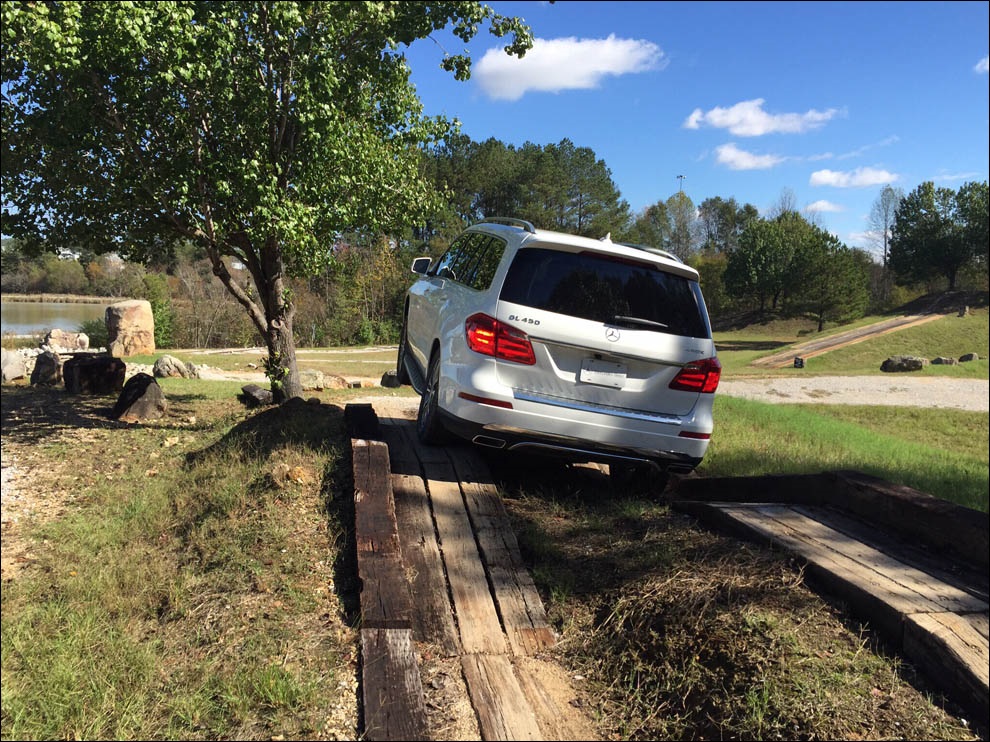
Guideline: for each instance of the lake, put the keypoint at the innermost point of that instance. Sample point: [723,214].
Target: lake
[37,317]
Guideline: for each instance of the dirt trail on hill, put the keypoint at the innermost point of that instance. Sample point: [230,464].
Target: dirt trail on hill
[814,348]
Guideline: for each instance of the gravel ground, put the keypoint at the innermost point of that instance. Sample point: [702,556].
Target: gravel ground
[939,392]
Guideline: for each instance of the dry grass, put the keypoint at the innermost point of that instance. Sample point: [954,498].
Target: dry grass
[682,633]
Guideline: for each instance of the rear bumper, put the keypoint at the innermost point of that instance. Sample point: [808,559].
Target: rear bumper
[523,431]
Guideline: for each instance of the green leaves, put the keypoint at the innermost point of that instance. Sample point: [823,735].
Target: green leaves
[938,232]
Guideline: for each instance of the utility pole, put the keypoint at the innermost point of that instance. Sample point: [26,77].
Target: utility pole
[680,179]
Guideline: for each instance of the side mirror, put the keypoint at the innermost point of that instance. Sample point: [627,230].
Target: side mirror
[421,265]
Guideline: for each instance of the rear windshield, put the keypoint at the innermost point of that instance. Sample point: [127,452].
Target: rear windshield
[607,289]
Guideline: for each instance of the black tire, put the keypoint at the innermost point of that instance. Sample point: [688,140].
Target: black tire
[429,427]
[400,361]
[637,480]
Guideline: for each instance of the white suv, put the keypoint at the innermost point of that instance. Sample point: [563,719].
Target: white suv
[527,340]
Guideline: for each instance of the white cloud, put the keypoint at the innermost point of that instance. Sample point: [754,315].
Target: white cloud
[738,159]
[861,238]
[983,66]
[858,178]
[553,65]
[943,177]
[822,206]
[748,119]
[893,139]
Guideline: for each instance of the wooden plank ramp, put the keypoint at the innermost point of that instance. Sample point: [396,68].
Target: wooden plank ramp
[936,614]
[440,566]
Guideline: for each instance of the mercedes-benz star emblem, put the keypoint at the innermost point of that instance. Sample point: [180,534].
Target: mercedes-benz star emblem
[611,334]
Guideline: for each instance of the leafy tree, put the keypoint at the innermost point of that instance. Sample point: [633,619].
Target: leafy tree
[756,270]
[156,291]
[766,264]
[973,211]
[651,227]
[938,232]
[63,275]
[831,281]
[259,130]
[683,224]
[721,222]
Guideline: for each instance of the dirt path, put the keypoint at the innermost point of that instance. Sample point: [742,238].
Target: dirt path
[814,348]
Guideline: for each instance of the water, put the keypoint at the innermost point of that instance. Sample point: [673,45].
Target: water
[37,317]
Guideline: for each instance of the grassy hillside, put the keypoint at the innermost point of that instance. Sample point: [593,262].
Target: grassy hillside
[951,336]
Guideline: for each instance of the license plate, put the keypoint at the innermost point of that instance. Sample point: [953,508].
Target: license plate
[603,373]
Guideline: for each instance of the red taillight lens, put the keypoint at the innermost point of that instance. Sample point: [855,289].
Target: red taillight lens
[699,376]
[490,337]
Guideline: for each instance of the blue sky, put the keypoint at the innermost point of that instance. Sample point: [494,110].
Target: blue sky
[824,102]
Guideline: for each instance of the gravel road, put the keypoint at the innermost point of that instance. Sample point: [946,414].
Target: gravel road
[940,392]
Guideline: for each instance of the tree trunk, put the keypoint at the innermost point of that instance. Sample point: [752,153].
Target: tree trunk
[281,367]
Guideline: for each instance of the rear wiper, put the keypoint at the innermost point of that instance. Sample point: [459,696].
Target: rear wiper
[619,318]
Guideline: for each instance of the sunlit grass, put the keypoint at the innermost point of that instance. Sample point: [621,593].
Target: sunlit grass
[941,452]
[949,336]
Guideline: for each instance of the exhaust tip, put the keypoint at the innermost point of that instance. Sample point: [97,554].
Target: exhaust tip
[488,441]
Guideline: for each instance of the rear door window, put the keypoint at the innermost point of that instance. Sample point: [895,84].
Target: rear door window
[607,289]
[471,260]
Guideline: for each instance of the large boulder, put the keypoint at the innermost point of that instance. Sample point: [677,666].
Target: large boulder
[967,357]
[171,367]
[62,341]
[130,328]
[12,366]
[141,399]
[94,374]
[903,363]
[47,369]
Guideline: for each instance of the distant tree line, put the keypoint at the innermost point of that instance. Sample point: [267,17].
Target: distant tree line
[781,263]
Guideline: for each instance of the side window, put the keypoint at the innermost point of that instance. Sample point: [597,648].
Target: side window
[442,267]
[488,259]
[463,263]
[472,260]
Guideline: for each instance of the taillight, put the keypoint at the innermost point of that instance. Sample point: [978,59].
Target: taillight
[699,376]
[490,337]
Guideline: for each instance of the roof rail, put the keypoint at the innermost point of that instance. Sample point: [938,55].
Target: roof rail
[510,221]
[654,250]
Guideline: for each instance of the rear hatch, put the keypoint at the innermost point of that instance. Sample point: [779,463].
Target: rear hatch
[610,327]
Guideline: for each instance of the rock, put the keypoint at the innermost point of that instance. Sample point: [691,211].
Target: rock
[967,357]
[390,380]
[130,328]
[312,381]
[12,366]
[964,312]
[47,369]
[254,396]
[65,342]
[141,399]
[903,363]
[335,382]
[94,374]
[170,367]
[943,361]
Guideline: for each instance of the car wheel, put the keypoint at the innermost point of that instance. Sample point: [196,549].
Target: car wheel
[400,361]
[637,480]
[429,428]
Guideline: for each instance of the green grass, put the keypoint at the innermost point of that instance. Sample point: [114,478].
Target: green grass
[180,596]
[950,336]
[943,452]
[346,361]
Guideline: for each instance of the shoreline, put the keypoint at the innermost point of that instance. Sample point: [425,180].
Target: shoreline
[61,298]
